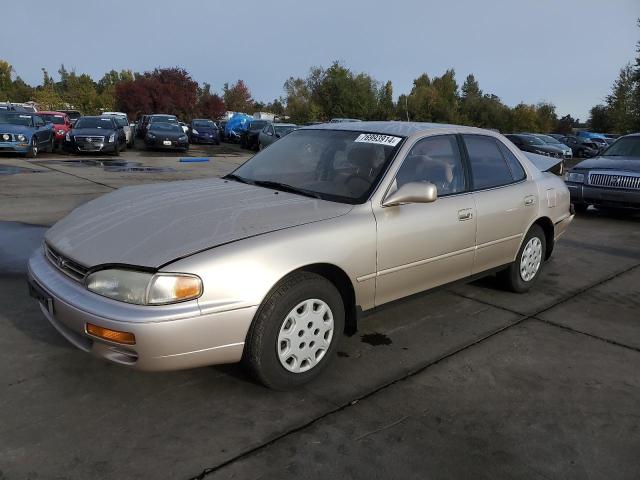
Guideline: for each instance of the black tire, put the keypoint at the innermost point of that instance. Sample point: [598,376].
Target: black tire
[511,278]
[52,145]
[116,150]
[33,148]
[260,352]
[580,207]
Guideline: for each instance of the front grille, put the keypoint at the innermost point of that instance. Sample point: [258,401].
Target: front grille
[65,264]
[615,180]
[6,137]
[89,139]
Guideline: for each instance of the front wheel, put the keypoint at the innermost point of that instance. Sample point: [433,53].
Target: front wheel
[116,150]
[520,276]
[296,331]
[33,148]
[580,207]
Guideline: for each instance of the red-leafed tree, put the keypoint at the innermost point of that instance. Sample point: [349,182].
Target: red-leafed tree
[211,106]
[237,97]
[165,90]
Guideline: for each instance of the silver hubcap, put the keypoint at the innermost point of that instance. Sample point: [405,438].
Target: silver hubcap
[531,259]
[305,335]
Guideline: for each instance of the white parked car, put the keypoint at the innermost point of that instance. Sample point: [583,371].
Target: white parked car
[123,120]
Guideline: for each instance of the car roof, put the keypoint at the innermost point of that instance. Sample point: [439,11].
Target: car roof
[403,129]
[284,124]
[49,112]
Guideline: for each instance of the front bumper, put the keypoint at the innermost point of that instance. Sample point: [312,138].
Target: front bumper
[603,196]
[169,337]
[90,147]
[17,147]
[158,143]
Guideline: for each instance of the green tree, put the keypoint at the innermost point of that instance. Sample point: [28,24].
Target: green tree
[386,108]
[524,118]
[599,120]
[546,117]
[621,102]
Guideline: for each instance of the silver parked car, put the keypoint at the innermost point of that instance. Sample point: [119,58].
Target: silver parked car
[272,132]
[270,264]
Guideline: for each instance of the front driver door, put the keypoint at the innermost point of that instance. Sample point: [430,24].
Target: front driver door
[423,245]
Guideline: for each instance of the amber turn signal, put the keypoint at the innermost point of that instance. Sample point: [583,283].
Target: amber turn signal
[126,338]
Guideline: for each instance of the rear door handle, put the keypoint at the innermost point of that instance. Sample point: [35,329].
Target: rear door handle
[465,214]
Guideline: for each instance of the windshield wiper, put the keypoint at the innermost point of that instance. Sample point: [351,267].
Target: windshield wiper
[237,178]
[285,188]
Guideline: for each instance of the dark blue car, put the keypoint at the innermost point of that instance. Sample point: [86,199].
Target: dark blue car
[203,130]
[25,133]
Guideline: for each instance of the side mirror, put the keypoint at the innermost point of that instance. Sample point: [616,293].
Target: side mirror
[412,192]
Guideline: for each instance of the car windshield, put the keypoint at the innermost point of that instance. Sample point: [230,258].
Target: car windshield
[16,118]
[55,119]
[203,124]
[283,130]
[531,140]
[95,122]
[624,147]
[335,165]
[548,139]
[259,125]
[119,119]
[166,127]
[164,119]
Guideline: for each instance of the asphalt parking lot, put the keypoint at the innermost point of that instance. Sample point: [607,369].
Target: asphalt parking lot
[464,382]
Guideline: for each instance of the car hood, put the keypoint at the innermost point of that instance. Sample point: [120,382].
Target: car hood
[17,129]
[631,164]
[547,148]
[152,225]
[94,132]
[165,134]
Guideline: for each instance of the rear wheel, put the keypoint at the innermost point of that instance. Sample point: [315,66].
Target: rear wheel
[296,331]
[523,273]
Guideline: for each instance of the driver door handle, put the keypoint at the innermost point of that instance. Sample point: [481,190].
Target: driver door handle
[465,214]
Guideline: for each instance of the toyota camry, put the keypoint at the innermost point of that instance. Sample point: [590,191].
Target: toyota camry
[270,264]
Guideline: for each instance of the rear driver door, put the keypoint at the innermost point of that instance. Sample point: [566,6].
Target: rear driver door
[506,200]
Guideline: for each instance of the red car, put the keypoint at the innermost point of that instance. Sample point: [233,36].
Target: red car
[60,122]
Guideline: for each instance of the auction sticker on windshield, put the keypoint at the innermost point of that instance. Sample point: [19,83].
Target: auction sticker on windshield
[379,139]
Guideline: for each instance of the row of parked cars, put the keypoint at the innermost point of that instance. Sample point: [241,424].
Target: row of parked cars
[583,145]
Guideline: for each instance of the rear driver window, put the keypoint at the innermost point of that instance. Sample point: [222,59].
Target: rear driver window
[488,166]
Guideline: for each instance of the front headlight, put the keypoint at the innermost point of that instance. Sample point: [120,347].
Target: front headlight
[574,177]
[142,288]
[60,132]
[151,136]
[194,131]
[112,138]
[22,138]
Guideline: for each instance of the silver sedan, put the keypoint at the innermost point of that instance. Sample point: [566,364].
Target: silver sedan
[272,263]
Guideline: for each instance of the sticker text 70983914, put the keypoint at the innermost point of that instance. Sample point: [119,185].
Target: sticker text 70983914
[379,139]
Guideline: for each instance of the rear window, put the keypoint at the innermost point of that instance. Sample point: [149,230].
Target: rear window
[488,166]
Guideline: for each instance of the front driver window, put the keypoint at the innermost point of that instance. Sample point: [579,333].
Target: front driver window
[436,160]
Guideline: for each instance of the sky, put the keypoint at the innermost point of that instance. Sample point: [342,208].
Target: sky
[567,52]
